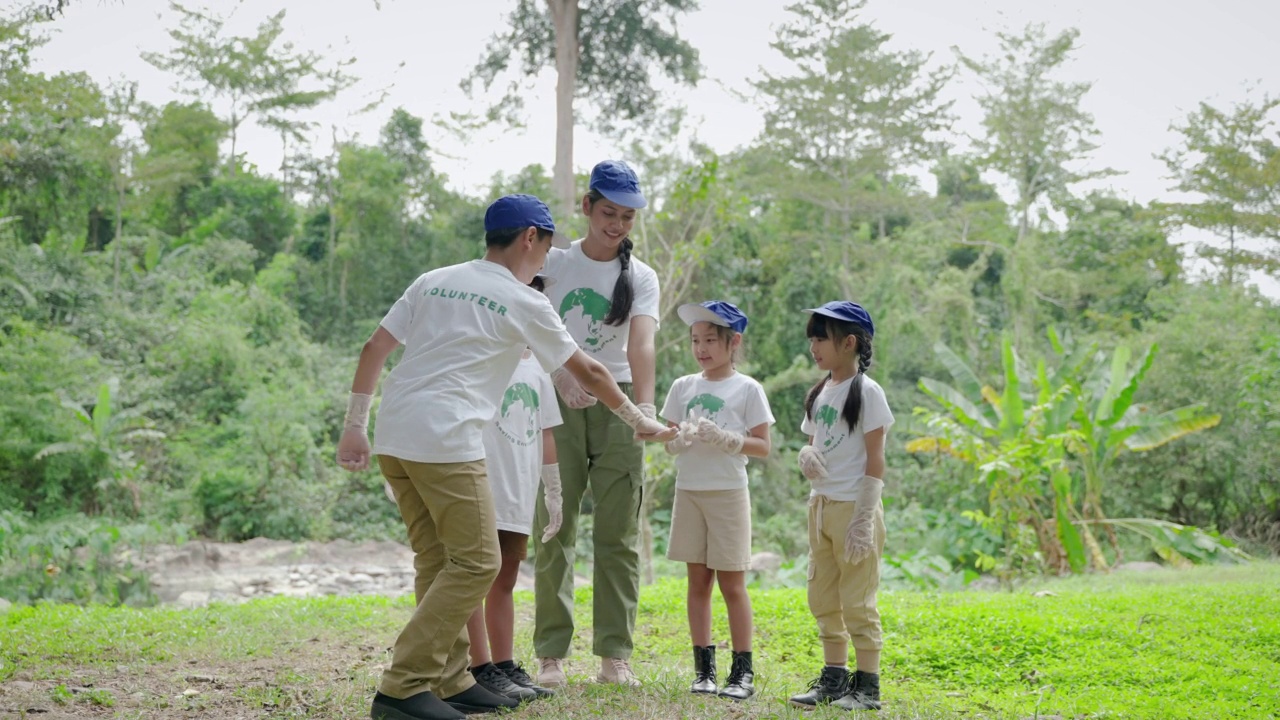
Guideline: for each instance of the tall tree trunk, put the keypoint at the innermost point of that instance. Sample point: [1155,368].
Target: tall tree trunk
[564,15]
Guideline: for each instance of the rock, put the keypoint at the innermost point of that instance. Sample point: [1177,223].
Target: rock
[1044,593]
[1138,566]
[5,605]
[20,685]
[766,562]
[983,582]
[361,579]
[193,599]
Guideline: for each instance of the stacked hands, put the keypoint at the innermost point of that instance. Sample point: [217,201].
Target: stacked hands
[700,429]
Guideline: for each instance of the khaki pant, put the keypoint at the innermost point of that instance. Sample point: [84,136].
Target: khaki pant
[597,450]
[842,597]
[448,510]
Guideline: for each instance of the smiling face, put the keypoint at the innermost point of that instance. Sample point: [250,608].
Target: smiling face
[830,349]
[713,346]
[608,223]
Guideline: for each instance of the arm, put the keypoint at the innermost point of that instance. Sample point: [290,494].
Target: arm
[353,446]
[757,443]
[597,380]
[549,447]
[642,356]
[875,452]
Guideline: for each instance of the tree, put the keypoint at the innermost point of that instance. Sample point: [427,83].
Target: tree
[1035,131]
[258,76]
[1230,159]
[601,50]
[851,115]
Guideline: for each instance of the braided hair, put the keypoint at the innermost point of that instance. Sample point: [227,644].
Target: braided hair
[620,303]
[821,326]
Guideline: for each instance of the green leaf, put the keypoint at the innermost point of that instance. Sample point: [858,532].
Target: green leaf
[1011,402]
[1125,400]
[102,411]
[1067,533]
[1169,426]
[964,411]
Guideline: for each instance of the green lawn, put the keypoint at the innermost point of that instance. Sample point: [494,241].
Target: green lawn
[1203,643]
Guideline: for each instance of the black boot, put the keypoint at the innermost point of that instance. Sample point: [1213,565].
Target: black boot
[477,699]
[831,685]
[495,681]
[704,670]
[521,678]
[740,685]
[423,706]
[864,693]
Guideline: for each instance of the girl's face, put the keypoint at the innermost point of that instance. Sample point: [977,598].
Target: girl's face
[608,221]
[711,350]
[831,353]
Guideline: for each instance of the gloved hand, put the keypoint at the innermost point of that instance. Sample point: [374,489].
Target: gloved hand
[646,428]
[684,439]
[719,438]
[353,446]
[551,495]
[812,463]
[649,410]
[571,390]
[860,539]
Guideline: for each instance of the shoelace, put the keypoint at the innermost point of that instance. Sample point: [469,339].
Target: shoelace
[737,671]
[621,668]
[494,677]
[519,676]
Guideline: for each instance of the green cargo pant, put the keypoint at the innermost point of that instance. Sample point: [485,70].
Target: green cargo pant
[594,447]
[448,510]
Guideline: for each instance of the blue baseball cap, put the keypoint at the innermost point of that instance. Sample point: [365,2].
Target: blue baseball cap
[618,182]
[716,312]
[512,212]
[847,311]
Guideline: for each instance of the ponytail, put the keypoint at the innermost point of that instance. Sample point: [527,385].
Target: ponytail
[620,303]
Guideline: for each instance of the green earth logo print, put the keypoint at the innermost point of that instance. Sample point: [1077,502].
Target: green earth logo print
[828,417]
[518,420]
[583,312]
[705,405]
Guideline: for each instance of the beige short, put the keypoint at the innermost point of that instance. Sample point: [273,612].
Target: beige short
[712,528]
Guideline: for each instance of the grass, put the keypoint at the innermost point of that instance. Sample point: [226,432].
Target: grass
[1203,643]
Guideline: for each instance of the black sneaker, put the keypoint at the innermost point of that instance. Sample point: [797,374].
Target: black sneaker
[831,685]
[497,682]
[864,693]
[476,699]
[423,706]
[518,676]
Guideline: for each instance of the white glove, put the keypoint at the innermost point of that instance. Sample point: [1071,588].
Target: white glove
[571,390]
[353,446]
[391,494]
[812,463]
[860,539]
[649,410]
[553,499]
[719,438]
[646,428]
[684,439]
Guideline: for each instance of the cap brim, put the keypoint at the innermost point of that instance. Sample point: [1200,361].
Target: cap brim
[560,240]
[625,199]
[692,313]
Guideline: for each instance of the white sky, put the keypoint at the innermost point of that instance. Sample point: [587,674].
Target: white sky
[1151,62]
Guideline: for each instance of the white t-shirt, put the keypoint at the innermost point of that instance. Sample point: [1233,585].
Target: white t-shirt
[513,445]
[736,403]
[581,296]
[464,328]
[846,452]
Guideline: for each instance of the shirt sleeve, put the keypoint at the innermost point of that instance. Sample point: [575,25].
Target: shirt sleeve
[671,408]
[549,407]
[400,316]
[808,427]
[757,410]
[875,408]
[647,293]
[544,333]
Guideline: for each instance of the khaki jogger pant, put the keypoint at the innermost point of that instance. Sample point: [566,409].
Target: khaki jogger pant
[594,448]
[842,597]
[448,511]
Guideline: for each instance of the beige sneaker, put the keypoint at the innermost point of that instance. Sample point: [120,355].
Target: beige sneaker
[551,672]
[618,672]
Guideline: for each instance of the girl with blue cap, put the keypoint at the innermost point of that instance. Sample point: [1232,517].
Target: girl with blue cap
[846,418]
[609,302]
[724,417]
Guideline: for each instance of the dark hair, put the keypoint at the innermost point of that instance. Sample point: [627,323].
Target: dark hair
[725,335]
[503,237]
[620,303]
[537,283]
[821,326]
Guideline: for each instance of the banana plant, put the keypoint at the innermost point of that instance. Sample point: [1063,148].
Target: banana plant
[1085,416]
[106,436]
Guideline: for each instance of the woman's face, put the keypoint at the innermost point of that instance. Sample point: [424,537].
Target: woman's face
[608,221]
